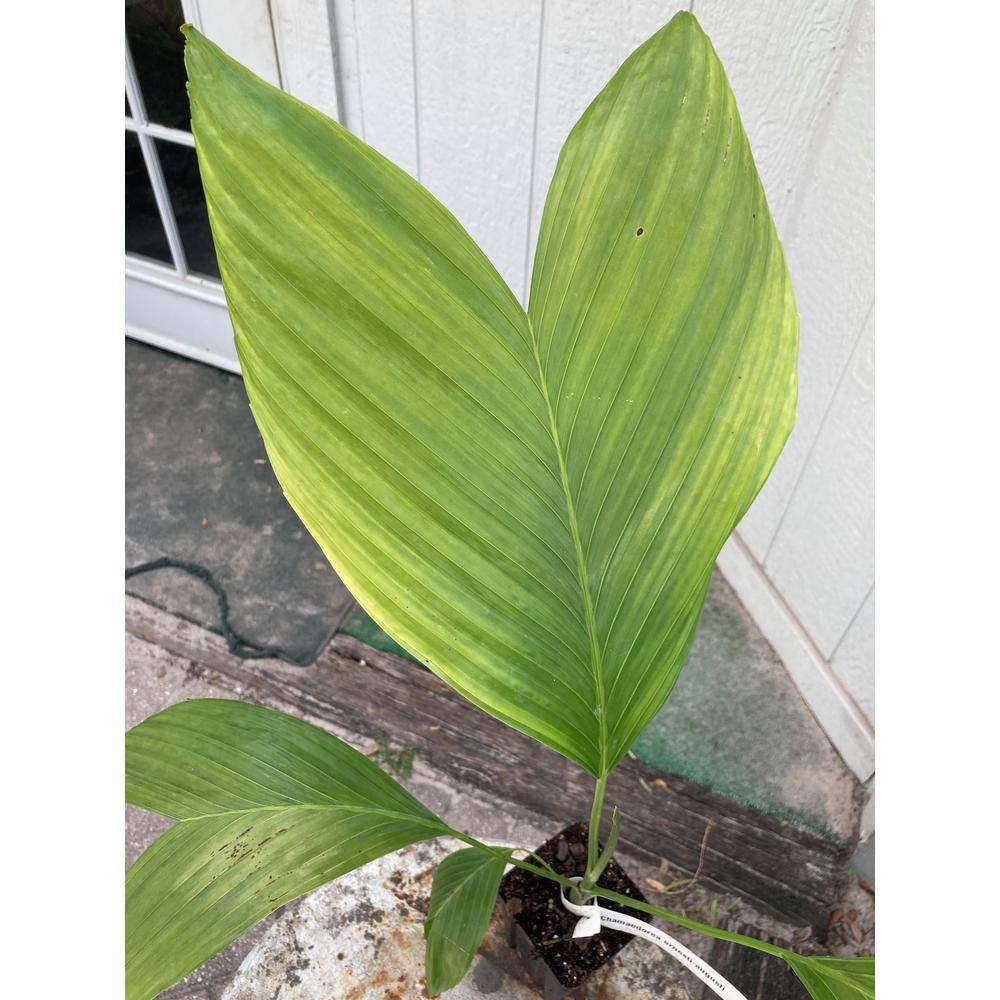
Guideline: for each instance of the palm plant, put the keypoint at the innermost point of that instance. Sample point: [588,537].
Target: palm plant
[531,502]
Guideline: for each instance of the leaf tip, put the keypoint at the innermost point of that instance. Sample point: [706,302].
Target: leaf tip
[685,19]
[192,36]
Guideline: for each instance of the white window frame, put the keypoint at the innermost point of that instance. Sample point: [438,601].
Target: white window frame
[161,298]
[290,44]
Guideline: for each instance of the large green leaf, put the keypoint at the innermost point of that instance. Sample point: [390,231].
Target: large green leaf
[532,507]
[829,978]
[268,807]
[462,897]
[667,338]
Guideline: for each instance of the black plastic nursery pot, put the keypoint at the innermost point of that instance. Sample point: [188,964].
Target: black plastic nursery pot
[542,930]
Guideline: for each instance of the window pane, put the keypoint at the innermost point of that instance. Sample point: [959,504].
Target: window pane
[180,171]
[154,37]
[144,233]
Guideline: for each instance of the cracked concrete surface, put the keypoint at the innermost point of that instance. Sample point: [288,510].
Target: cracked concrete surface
[199,488]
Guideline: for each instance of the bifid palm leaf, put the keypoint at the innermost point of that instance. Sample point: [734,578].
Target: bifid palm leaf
[531,504]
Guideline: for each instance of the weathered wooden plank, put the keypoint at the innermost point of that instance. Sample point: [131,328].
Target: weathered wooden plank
[786,872]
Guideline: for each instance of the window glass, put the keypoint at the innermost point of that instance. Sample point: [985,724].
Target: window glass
[180,171]
[144,233]
[157,47]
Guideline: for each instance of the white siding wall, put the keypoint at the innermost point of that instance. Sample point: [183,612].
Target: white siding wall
[804,558]
[475,98]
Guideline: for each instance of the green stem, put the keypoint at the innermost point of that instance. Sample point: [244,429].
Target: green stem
[594,831]
[707,929]
[610,845]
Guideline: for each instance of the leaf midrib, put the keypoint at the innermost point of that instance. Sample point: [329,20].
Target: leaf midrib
[461,883]
[316,806]
[581,563]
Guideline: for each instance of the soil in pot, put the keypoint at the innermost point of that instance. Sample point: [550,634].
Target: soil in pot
[533,904]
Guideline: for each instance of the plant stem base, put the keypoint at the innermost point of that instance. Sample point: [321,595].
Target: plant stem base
[542,931]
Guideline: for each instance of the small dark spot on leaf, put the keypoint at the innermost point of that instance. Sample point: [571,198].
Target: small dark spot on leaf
[638,232]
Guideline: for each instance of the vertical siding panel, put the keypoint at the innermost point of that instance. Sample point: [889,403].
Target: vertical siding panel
[583,43]
[804,79]
[828,230]
[642,18]
[852,662]
[823,558]
[781,59]
[386,78]
[243,29]
[579,55]
[345,48]
[303,36]
[476,76]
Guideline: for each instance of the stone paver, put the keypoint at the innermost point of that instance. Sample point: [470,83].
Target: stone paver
[361,938]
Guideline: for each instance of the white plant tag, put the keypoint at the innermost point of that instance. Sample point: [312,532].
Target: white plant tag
[593,917]
[589,924]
